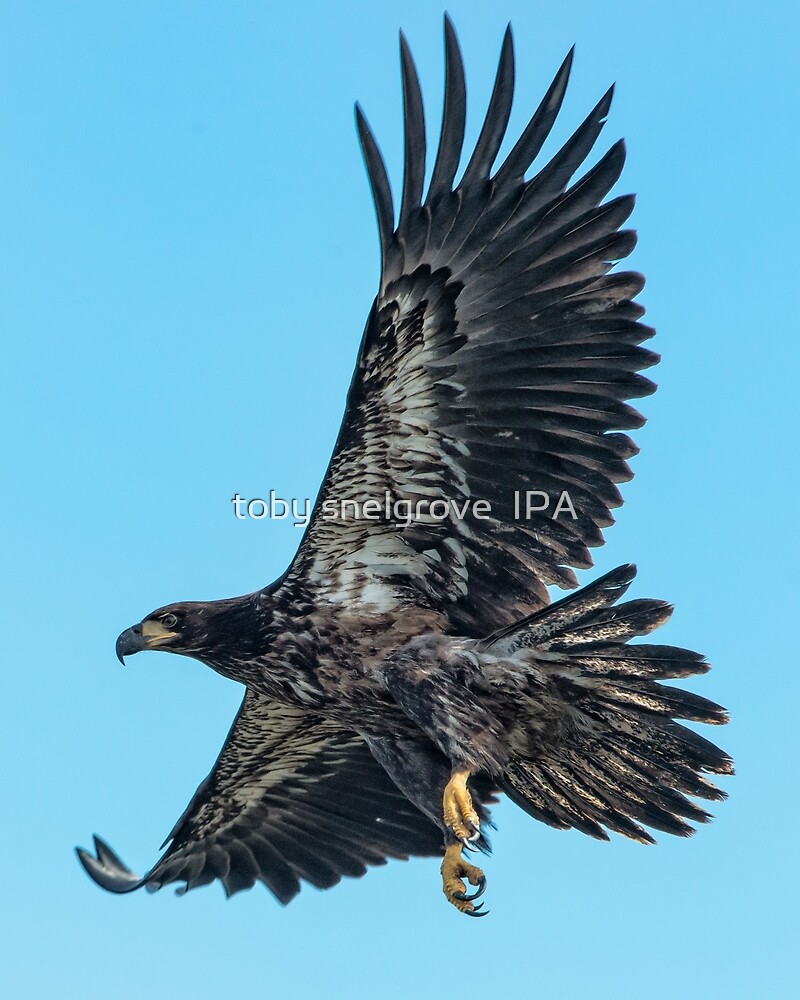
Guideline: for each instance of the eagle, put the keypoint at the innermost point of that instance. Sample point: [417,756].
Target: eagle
[406,671]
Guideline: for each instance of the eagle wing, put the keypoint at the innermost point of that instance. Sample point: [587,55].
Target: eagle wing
[497,359]
[291,797]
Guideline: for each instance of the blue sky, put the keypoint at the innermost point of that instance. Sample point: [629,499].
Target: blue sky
[188,255]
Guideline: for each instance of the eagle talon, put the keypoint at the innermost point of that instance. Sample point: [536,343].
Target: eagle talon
[454,870]
[467,897]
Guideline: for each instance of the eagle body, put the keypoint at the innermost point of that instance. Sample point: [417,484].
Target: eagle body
[408,667]
[306,653]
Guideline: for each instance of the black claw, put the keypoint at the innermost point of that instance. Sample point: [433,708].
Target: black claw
[481,889]
[468,897]
[475,911]
[468,844]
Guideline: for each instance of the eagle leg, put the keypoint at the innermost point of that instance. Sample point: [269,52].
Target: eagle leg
[458,812]
[454,870]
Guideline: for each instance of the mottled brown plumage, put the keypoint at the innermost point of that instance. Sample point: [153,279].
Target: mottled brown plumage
[498,357]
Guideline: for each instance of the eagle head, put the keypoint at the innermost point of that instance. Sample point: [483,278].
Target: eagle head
[190,627]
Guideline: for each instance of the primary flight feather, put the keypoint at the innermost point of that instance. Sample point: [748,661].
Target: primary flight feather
[408,668]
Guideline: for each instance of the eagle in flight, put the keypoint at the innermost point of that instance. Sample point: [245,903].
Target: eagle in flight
[403,673]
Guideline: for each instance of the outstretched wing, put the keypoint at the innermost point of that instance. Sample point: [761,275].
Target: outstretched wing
[291,797]
[496,361]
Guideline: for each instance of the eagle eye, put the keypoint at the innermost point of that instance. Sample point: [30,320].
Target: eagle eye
[169,620]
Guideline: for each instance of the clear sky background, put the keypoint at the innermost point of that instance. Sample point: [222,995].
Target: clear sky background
[187,257]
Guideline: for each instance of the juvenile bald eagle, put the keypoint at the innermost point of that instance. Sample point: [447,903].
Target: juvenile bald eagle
[402,673]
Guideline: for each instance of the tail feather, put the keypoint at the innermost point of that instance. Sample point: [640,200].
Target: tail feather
[612,757]
[532,788]
[658,699]
[589,791]
[670,742]
[618,662]
[678,777]
[537,801]
[613,625]
[537,627]
[646,803]
[650,784]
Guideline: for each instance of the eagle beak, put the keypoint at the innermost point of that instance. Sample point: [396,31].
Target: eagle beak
[130,641]
[147,635]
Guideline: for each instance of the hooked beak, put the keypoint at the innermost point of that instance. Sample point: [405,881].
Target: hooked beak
[147,635]
[130,641]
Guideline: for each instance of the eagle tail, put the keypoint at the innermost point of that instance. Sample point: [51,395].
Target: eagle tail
[618,759]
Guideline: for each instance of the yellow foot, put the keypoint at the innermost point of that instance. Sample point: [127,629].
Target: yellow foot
[454,870]
[457,809]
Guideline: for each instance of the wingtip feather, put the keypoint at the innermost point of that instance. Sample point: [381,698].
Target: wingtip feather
[106,869]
